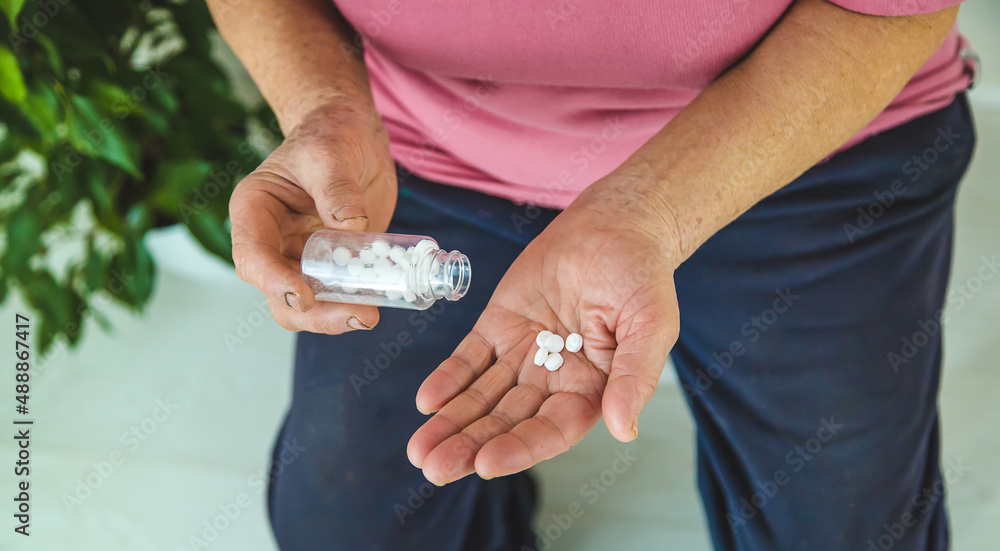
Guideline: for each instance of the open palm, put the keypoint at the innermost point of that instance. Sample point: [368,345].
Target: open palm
[497,412]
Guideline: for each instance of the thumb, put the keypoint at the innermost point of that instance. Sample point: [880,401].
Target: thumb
[334,181]
[635,370]
[340,203]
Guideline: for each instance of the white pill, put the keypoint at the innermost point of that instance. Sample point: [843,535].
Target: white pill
[423,247]
[409,295]
[369,275]
[367,256]
[540,356]
[393,295]
[381,248]
[341,256]
[390,278]
[554,343]
[355,266]
[542,337]
[553,362]
[383,264]
[574,342]
[398,254]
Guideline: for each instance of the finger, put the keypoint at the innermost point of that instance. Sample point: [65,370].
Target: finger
[257,254]
[635,372]
[257,246]
[336,188]
[455,457]
[471,358]
[562,421]
[327,317]
[472,404]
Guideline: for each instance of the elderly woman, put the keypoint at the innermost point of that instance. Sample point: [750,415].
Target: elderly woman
[763,190]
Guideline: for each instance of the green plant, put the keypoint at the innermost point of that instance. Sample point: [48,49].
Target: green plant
[114,119]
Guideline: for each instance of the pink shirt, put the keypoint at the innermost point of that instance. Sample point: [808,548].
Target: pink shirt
[534,100]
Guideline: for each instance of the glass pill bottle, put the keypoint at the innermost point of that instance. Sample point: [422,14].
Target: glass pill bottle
[383,269]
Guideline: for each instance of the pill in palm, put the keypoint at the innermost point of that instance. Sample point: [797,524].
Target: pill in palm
[554,343]
[341,256]
[574,342]
[541,338]
[554,361]
[541,356]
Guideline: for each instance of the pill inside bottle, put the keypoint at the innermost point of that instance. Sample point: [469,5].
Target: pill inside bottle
[383,269]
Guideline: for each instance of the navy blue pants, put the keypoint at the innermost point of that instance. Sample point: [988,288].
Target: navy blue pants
[809,353]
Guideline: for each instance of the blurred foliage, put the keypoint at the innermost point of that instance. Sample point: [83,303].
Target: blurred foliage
[114,119]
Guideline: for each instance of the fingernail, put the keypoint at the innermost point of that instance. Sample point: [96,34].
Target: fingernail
[293,301]
[349,212]
[635,429]
[354,323]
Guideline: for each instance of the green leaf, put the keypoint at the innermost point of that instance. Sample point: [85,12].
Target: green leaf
[165,98]
[11,80]
[19,125]
[77,308]
[51,53]
[138,219]
[175,181]
[212,234]
[24,238]
[133,269]
[46,295]
[103,203]
[46,335]
[98,136]
[95,271]
[12,8]
[43,109]
[113,98]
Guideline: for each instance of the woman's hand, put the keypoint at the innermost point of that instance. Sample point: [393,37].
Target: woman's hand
[604,269]
[333,171]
